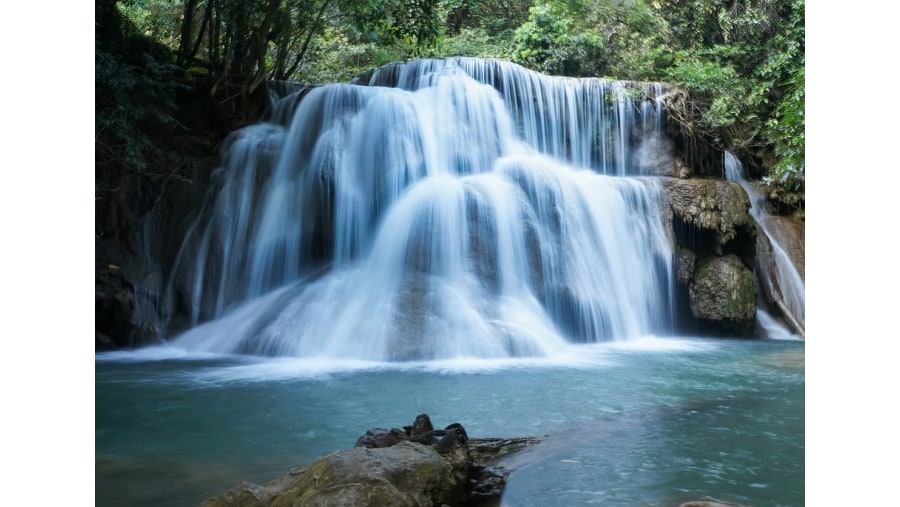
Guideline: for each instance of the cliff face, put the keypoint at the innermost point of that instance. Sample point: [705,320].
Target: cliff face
[777,284]
[141,206]
[790,233]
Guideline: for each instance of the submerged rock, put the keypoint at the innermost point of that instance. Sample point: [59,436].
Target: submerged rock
[423,467]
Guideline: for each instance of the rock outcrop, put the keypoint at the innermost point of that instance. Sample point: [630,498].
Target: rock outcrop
[716,210]
[715,251]
[416,466]
[125,286]
[790,233]
[723,293]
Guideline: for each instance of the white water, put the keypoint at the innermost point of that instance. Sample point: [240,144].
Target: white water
[790,283]
[244,369]
[458,221]
[773,328]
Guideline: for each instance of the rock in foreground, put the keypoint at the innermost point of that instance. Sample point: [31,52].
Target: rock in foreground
[416,466]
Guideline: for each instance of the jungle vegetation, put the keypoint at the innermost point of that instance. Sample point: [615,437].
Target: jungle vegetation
[742,61]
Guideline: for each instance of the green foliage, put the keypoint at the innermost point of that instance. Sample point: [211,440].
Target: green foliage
[130,101]
[694,23]
[633,37]
[415,23]
[113,120]
[134,93]
[719,85]
[477,42]
[158,19]
[786,127]
[547,42]
[296,32]
[611,38]
[743,62]
[492,16]
[334,58]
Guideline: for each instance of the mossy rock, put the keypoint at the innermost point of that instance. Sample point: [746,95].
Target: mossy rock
[723,294]
[685,262]
[717,207]
[406,474]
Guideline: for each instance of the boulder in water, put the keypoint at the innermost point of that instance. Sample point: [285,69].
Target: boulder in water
[407,473]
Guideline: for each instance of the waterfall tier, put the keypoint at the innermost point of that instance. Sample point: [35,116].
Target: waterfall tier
[434,209]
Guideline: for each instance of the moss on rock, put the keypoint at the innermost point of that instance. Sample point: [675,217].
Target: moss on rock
[427,467]
[723,294]
[718,207]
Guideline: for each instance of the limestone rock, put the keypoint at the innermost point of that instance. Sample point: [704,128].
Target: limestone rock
[716,240]
[790,233]
[685,261]
[407,473]
[376,438]
[404,474]
[723,294]
[713,206]
[420,430]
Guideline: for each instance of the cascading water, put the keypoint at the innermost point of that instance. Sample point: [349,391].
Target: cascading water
[791,286]
[434,209]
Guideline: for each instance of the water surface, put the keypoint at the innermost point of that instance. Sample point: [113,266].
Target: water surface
[652,421]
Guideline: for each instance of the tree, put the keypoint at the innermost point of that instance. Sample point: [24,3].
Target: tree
[742,60]
[416,23]
[601,38]
[744,64]
[493,16]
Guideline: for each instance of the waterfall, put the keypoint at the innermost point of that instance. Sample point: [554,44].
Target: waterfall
[433,209]
[790,289]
